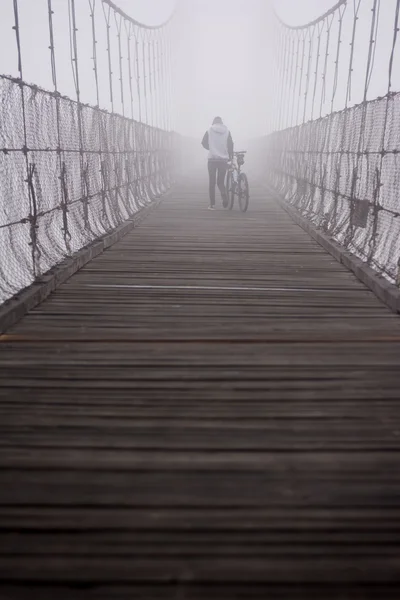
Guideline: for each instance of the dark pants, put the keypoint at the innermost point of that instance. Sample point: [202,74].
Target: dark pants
[217,171]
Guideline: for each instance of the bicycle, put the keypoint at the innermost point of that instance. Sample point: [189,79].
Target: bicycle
[237,183]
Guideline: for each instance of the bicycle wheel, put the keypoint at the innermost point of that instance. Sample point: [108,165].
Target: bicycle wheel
[243,192]
[230,189]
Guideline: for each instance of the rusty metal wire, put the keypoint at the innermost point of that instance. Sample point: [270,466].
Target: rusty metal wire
[341,170]
[70,172]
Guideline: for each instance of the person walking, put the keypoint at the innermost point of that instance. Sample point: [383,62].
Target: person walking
[218,141]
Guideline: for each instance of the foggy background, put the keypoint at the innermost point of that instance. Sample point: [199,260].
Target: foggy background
[223,60]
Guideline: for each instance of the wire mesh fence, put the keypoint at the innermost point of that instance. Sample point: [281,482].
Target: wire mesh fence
[334,171]
[341,170]
[70,172]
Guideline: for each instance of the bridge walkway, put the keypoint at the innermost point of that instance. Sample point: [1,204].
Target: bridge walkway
[210,408]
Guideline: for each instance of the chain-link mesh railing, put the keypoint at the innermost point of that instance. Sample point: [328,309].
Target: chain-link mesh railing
[341,171]
[70,172]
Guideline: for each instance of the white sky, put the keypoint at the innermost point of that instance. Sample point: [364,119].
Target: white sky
[294,12]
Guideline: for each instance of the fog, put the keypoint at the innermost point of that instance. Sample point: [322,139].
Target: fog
[226,58]
[223,56]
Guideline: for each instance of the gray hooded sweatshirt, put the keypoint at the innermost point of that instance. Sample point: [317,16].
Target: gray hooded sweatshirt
[218,141]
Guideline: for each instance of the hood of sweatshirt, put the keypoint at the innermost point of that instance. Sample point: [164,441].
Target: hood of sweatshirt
[219,128]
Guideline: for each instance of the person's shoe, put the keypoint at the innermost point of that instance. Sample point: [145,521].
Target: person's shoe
[211,207]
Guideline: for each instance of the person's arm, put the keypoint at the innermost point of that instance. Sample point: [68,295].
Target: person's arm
[205,142]
[230,146]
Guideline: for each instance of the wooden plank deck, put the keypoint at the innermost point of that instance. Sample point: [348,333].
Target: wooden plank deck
[210,409]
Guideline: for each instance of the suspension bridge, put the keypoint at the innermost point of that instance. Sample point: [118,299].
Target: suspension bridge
[199,404]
